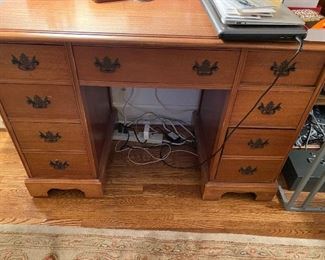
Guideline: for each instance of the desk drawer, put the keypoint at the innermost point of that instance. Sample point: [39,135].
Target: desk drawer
[248,170]
[59,165]
[279,108]
[20,62]
[259,142]
[261,66]
[38,101]
[161,66]
[49,136]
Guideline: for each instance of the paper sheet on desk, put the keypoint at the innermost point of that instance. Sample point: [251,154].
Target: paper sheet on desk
[317,32]
[316,35]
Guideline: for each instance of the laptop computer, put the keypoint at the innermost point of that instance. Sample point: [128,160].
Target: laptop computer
[252,32]
[282,16]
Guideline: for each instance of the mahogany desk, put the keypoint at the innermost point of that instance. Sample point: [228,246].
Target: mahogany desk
[59,58]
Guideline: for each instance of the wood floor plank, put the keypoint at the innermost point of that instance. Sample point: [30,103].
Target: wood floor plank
[152,197]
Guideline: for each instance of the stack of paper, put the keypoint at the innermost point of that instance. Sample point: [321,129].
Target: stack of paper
[246,9]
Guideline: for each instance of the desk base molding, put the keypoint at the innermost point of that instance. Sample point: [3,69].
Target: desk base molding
[40,187]
[263,191]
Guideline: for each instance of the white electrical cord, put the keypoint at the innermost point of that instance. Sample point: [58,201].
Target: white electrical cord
[184,151]
[125,104]
[165,121]
[169,124]
[315,132]
[172,143]
[146,150]
[155,159]
[156,116]
[119,150]
[174,111]
[318,123]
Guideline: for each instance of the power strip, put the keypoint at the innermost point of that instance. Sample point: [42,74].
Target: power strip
[154,138]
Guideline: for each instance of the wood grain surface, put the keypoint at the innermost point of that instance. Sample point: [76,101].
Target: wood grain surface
[71,136]
[288,115]
[162,22]
[52,65]
[172,67]
[62,99]
[185,18]
[158,198]
[276,142]
[232,169]
[308,67]
[78,165]
[153,196]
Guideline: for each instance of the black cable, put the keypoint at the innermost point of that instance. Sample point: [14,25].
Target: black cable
[300,41]
[145,143]
[126,142]
[172,166]
[136,136]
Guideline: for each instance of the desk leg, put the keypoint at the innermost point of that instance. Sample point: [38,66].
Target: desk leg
[215,190]
[41,187]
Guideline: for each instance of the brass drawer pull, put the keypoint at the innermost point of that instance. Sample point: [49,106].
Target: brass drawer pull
[283,69]
[249,170]
[24,63]
[258,143]
[38,102]
[59,165]
[206,68]
[107,65]
[49,137]
[269,109]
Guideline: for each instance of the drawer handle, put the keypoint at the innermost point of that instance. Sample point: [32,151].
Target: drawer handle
[49,137]
[269,109]
[283,69]
[206,68]
[24,63]
[258,143]
[58,165]
[249,170]
[107,65]
[38,102]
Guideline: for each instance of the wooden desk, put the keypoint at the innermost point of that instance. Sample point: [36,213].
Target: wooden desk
[58,60]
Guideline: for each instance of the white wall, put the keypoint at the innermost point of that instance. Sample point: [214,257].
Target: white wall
[144,100]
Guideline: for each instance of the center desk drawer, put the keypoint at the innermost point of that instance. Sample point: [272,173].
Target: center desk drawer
[259,142]
[278,108]
[49,136]
[59,165]
[164,66]
[34,63]
[38,101]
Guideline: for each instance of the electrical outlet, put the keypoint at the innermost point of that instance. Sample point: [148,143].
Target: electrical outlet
[154,138]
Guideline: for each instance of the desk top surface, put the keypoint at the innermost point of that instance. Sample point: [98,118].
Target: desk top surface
[166,22]
[157,18]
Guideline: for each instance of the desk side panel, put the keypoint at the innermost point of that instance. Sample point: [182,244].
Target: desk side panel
[208,125]
[100,116]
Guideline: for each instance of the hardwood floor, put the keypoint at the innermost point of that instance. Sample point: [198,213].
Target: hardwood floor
[151,197]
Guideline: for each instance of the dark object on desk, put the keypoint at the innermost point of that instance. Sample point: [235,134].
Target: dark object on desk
[297,166]
[322,5]
[252,32]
